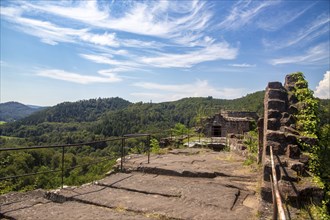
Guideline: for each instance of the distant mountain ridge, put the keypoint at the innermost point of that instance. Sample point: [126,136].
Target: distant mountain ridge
[13,111]
[87,119]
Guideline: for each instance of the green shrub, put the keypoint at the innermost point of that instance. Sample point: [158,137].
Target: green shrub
[154,144]
[308,124]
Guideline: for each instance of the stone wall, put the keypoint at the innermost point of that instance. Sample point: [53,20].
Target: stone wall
[278,129]
[235,127]
[241,114]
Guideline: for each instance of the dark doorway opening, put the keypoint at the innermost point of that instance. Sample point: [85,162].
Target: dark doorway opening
[216,131]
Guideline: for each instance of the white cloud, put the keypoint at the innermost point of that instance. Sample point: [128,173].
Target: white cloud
[316,28]
[200,88]
[146,18]
[10,11]
[86,11]
[175,24]
[48,32]
[323,89]
[169,60]
[115,70]
[52,34]
[318,54]
[214,52]
[283,17]
[242,65]
[78,78]
[141,44]
[101,39]
[244,12]
[108,59]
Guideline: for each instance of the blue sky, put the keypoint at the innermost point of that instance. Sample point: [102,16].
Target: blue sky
[55,51]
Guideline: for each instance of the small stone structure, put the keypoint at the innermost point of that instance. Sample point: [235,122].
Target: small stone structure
[278,129]
[229,122]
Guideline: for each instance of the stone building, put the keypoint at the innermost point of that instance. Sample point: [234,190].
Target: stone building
[229,122]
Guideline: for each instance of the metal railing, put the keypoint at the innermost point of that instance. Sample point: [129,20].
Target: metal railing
[278,210]
[127,136]
[63,146]
[121,153]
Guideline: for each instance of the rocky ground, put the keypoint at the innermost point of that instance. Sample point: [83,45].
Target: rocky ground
[183,184]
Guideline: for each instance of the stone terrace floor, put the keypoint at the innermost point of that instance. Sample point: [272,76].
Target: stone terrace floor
[183,184]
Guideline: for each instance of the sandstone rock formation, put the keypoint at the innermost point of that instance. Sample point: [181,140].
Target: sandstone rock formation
[279,131]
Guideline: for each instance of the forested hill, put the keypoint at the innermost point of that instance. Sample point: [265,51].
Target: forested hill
[81,111]
[83,120]
[156,117]
[12,111]
[96,118]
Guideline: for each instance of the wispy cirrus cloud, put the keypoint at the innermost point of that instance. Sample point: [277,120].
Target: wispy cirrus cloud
[323,89]
[244,12]
[52,34]
[86,11]
[170,60]
[316,28]
[171,24]
[283,17]
[144,18]
[110,60]
[318,54]
[46,31]
[200,88]
[214,52]
[106,76]
[242,65]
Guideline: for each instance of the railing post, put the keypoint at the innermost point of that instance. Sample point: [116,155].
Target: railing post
[62,168]
[122,153]
[274,199]
[148,149]
[277,193]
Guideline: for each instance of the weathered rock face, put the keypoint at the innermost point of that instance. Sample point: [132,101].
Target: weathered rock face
[183,184]
[289,83]
[279,131]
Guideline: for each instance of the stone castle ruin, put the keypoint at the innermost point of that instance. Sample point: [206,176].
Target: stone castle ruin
[229,122]
[278,129]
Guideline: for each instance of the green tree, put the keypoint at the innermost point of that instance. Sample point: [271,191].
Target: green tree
[180,129]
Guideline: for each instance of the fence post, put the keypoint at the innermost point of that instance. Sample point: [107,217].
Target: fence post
[122,153]
[148,149]
[274,199]
[279,205]
[62,168]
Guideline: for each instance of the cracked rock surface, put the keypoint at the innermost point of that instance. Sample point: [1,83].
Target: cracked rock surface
[184,184]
